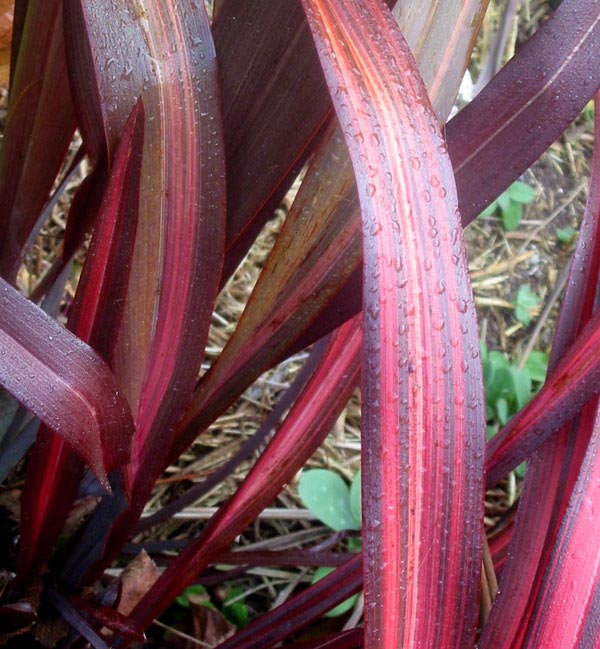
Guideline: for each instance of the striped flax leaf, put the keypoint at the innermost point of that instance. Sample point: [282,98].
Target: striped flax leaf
[423,416]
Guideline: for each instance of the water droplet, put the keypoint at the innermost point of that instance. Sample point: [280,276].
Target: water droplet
[462,305]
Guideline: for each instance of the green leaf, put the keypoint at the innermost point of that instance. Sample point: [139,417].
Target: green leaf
[346,605]
[502,411]
[490,432]
[489,371]
[565,235]
[498,359]
[502,387]
[235,610]
[537,366]
[327,496]
[198,594]
[522,388]
[355,500]
[511,216]
[525,303]
[521,469]
[484,350]
[521,192]
[355,544]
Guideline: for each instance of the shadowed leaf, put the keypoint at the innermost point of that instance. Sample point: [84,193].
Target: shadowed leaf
[39,127]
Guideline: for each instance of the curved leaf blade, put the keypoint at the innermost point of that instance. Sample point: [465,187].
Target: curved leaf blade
[566,609]
[64,383]
[536,120]
[319,245]
[423,414]
[178,254]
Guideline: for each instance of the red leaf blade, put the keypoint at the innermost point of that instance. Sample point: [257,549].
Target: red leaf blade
[303,430]
[53,471]
[179,248]
[535,121]
[62,381]
[421,382]
[553,469]
[319,246]
[566,612]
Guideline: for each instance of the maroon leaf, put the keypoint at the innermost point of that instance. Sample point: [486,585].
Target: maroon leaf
[179,248]
[302,264]
[422,419]
[176,266]
[567,603]
[351,639]
[64,383]
[111,619]
[305,427]
[54,472]
[271,43]
[39,128]
[271,121]
[319,246]
[298,611]
[526,107]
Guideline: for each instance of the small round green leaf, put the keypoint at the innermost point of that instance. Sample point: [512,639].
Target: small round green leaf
[327,497]
[521,192]
[504,201]
[522,388]
[502,411]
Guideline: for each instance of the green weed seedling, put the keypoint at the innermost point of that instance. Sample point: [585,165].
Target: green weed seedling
[565,235]
[327,496]
[234,609]
[509,388]
[526,304]
[510,204]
